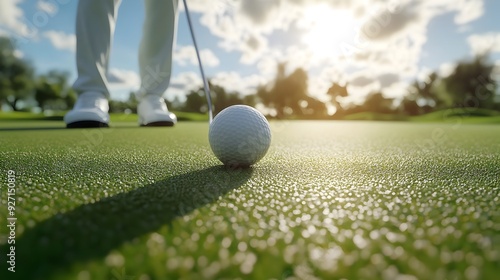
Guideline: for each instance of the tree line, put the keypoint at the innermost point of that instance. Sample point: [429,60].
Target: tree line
[18,83]
[470,85]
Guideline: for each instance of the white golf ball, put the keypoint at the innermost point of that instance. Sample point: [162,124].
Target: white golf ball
[239,136]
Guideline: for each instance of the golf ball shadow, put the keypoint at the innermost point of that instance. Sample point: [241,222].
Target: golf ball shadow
[239,136]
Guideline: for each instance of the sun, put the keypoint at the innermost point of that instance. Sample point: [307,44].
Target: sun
[328,30]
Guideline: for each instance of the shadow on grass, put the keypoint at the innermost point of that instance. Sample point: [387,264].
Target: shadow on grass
[40,118]
[112,126]
[91,231]
[30,128]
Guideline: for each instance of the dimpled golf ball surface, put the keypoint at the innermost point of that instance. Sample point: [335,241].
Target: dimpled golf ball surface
[239,136]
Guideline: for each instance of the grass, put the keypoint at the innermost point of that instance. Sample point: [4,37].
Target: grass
[456,115]
[371,116]
[461,115]
[115,117]
[331,200]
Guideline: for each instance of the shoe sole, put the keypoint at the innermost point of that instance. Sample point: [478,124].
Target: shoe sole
[86,124]
[161,123]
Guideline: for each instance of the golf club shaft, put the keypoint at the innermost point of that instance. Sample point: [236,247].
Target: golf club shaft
[205,82]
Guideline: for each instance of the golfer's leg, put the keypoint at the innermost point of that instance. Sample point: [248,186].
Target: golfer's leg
[95,25]
[155,54]
[155,62]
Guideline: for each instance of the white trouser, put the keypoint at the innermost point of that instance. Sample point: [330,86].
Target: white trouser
[95,25]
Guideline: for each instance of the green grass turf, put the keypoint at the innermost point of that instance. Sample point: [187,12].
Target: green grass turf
[115,117]
[332,200]
[460,115]
[456,115]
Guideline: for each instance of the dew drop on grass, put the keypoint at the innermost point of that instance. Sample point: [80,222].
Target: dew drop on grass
[242,246]
[115,259]
[188,263]
[247,266]
[226,242]
[172,263]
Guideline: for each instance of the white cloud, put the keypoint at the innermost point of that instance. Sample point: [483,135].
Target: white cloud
[481,43]
[388,79]
[120,78]
[267,65]
[319,84]
[396,90]
[357,94]
[365,81]
[468,10]
[12,18]
[186,81]
[252,48]
[425,72]
[48,7]
[446,69]
[243,24]
[185,55]
[122,82]
[10,13]
[386,22]
[259,12]
[385,57]
[182,84]
[294,57]
[26,27]
[361,80]
[61,40]
[233,82]
[18,54]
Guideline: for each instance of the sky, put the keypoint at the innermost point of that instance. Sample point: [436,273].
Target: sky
[373,45]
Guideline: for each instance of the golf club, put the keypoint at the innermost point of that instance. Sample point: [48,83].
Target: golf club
[205,82]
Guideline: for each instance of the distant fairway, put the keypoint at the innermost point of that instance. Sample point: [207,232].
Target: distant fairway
[354,200]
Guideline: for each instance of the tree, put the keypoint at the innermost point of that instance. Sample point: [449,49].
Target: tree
[224,99]
[52,91]
[175,104]
[287,93]
[335,91]
[471,84]
[70,98]
[129,105]
[132,102]
[425,89]
[423,96]
[16,75]
[195,101]
[221,99]
[116,106]
[250,100]
[378,103]
[410,107]
[313,108]
[45,91]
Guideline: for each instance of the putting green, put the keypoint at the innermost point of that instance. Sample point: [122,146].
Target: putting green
[331,200]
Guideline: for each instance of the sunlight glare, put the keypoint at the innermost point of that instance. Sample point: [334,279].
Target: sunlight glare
[328,29]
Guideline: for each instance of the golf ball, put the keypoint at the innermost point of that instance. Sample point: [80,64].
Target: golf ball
[239,136]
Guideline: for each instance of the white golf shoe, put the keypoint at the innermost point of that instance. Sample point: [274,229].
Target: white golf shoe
[153,111]
[91,110]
